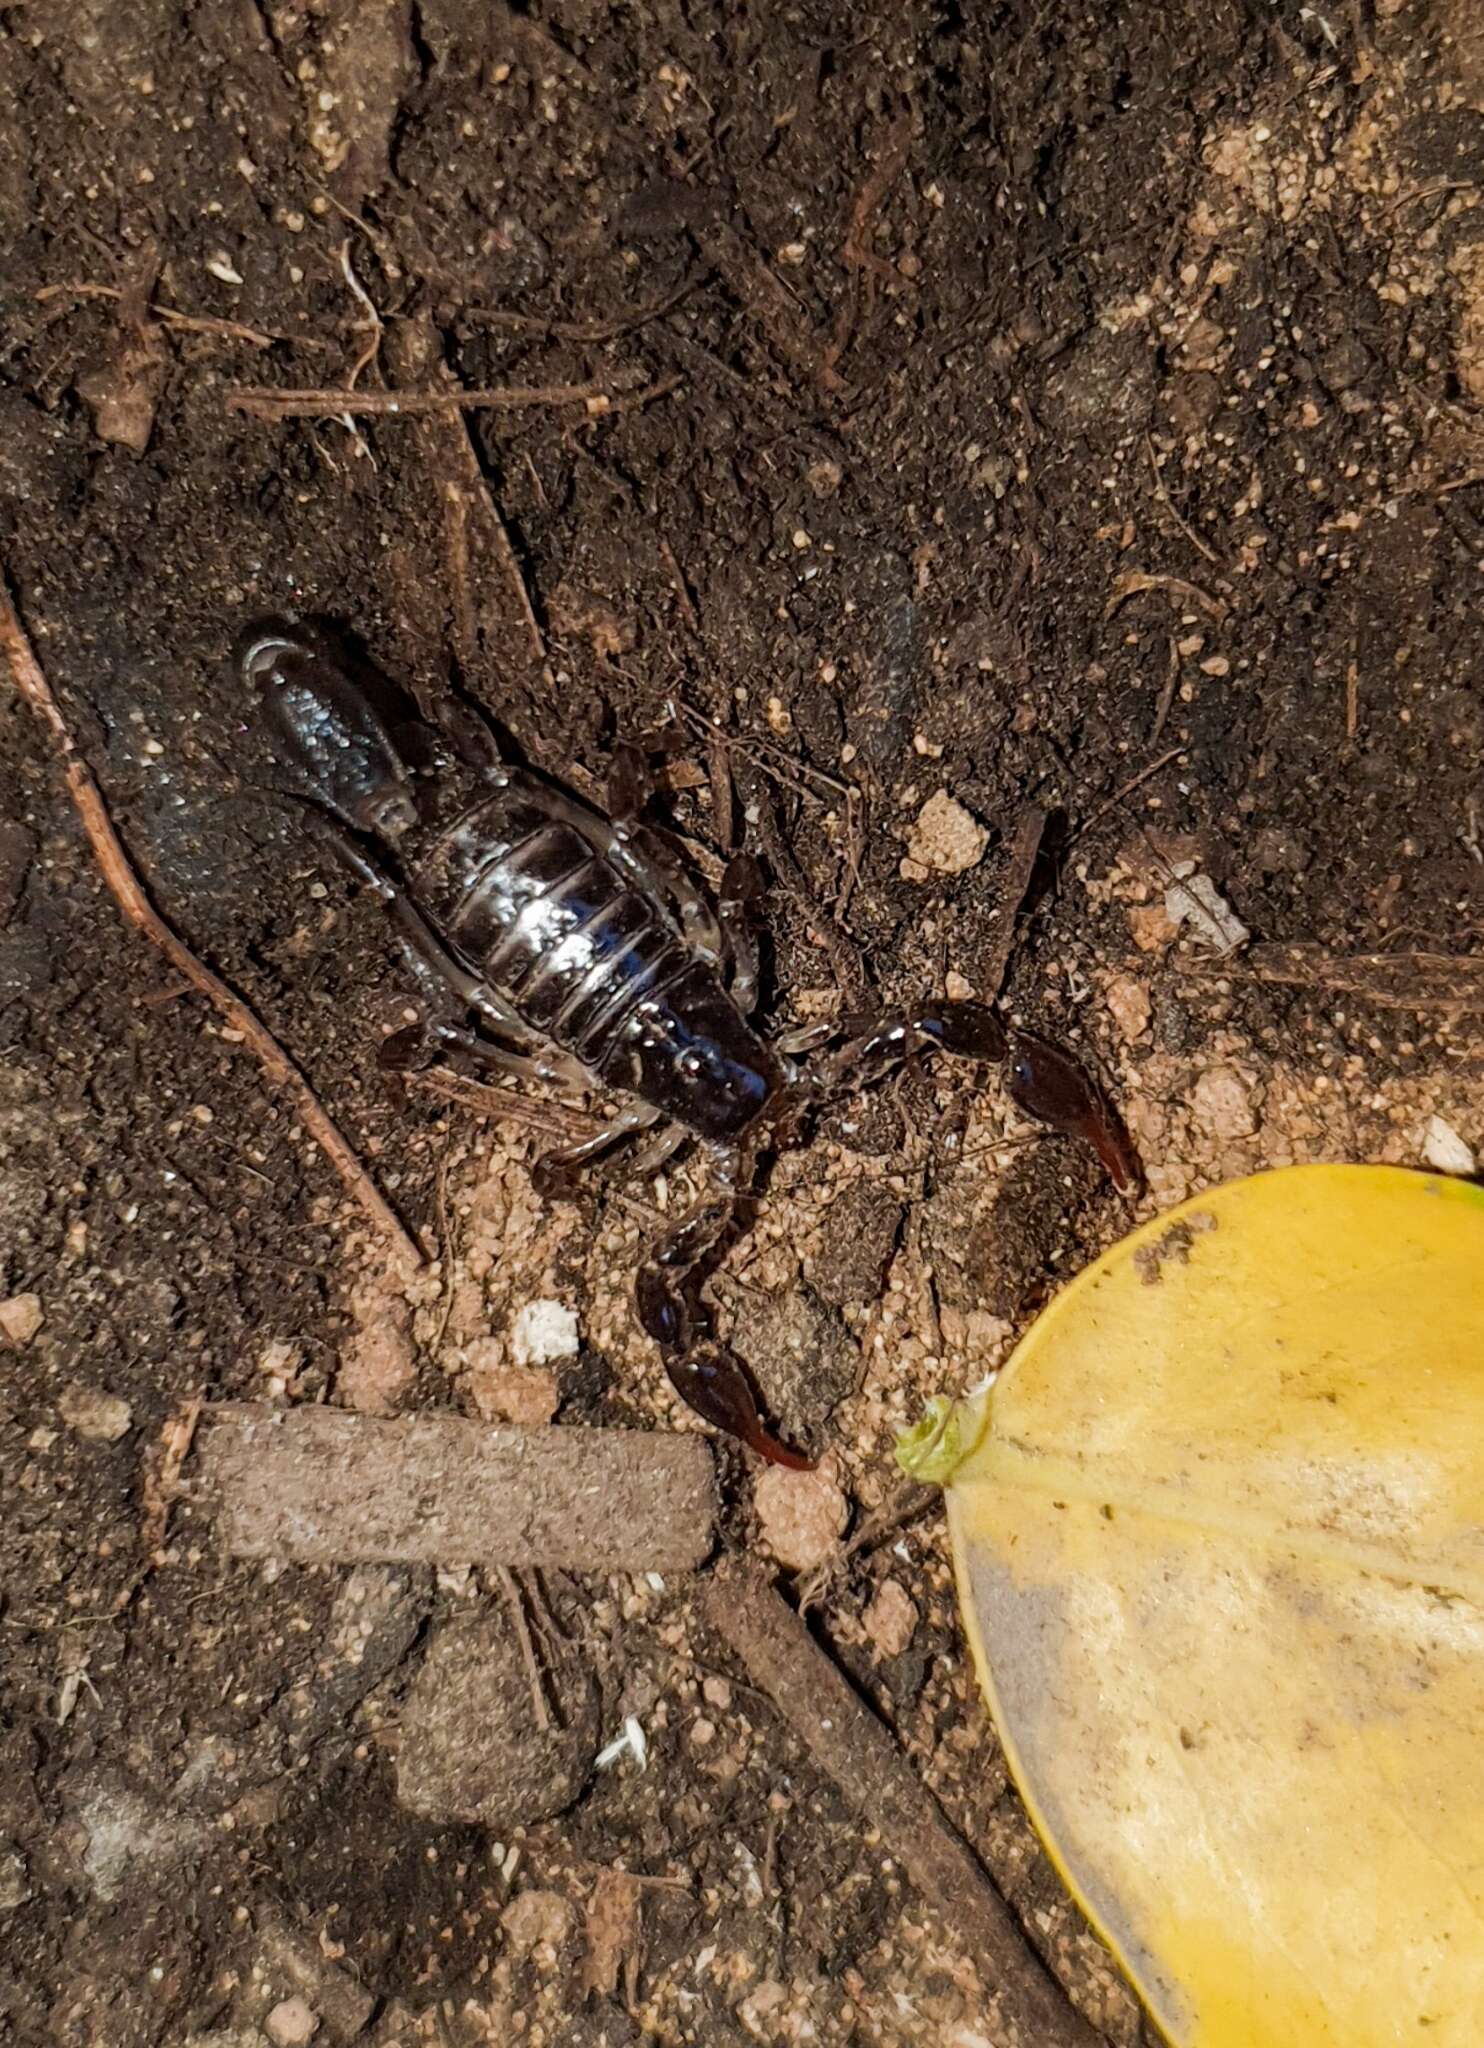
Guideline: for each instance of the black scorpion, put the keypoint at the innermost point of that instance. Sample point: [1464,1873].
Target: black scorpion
[559,944]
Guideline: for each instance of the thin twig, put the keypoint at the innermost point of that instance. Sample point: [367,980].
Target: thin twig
[447,1251]
[161,1483]
[372,348]
[579,330]
[1167,694]
[1128,788]
[765,751]
[1161,492]
[188,323]
[527,1648]
[682,589]
[502,1104]
[265,402]
[465,633]
[1133,582]
[128,892]
[515,575]
[855,252]
[907,1504]
[1428,192]
[1352,701]
[1392,981]
[1025,850]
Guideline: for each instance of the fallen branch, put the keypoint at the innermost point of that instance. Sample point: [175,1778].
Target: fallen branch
[1392,981]
[128,892]
[846,1740]
[264,402]
[323,1486]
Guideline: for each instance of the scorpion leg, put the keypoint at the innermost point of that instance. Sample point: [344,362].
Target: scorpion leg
[741,888]
[704,1374]
[1045,1082]
[552,1175]
[529,1059]
[648,858]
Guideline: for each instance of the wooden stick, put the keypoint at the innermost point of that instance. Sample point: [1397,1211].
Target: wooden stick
[847,1741]
[265,402]
[128,892]
[325,1486]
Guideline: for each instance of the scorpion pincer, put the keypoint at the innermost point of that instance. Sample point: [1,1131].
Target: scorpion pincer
[557,943]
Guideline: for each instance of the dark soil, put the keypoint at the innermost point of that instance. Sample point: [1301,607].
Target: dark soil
[973,312]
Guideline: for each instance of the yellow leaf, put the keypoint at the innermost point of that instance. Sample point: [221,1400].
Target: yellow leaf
[1219,1531]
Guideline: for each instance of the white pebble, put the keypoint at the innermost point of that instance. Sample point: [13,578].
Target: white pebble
[544,1331]
[1444,1150]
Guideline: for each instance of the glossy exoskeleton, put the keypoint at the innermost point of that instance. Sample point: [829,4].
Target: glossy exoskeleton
[556,942]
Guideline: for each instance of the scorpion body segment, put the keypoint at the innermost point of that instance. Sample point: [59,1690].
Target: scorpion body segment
[585,955]
[538,897]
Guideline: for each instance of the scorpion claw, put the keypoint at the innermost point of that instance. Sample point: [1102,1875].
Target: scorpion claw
[1053,1088]
[717,1389]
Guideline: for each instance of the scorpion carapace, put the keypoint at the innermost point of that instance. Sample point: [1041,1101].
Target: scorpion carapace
[555,942]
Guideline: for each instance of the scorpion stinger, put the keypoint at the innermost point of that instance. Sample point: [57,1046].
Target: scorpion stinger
[327,727]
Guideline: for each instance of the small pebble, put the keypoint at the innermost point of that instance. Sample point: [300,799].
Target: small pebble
[1127,1001]
[292,2023]
[15,1882]
[891,1619]
[20,1319]
[803,1514]
[758,2010]
[543,1332]
[1221,1102]
[717,1692]
[1444,1150]
[90,1413]
[702,1731]
[536,1916]
[1151,928]
[946,839]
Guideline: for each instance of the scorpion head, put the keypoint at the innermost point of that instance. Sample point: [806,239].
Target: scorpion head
[326,727]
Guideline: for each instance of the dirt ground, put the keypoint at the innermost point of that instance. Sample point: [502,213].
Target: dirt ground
[1066,405]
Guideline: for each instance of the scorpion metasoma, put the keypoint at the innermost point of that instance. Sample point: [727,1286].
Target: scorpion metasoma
[557,943]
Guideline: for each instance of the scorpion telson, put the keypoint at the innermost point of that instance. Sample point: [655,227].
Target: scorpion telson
[557,943]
